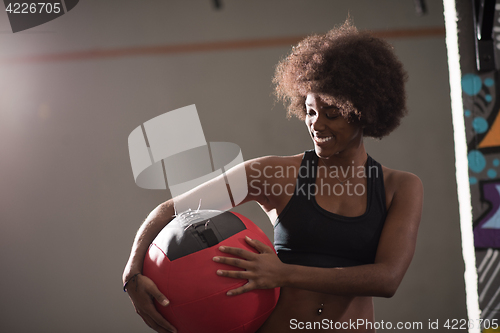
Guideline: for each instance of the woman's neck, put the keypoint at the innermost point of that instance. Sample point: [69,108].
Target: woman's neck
[347,158]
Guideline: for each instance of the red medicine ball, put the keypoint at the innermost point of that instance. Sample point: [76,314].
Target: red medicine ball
[180,262]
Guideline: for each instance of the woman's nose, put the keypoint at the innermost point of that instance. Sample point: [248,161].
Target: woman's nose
[317,124]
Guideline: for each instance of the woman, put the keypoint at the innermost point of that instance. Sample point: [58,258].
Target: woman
[347,231]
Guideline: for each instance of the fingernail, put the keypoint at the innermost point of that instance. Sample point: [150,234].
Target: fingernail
[248,238]
[216,259]
[222,248]
[219,272]
[229,293]
[165,302]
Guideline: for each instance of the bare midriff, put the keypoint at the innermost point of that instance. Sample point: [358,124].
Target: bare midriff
[308,311]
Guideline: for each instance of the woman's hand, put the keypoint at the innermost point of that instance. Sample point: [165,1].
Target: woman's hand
[263,270]
[142,291]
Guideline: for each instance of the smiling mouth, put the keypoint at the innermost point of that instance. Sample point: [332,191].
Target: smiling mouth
[323,140]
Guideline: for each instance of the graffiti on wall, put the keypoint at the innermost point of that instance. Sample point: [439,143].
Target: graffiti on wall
[482,123]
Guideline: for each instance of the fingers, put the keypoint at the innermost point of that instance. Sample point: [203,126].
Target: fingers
[245,254]
[253,265]
[236,262]
[243,289]
[153,290]
[142,297]
[154,320]
[258,245]
[245,275]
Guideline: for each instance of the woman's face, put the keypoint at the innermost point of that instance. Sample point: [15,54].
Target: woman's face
[330,131]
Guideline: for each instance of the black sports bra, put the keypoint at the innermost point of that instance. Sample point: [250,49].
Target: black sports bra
[306,234]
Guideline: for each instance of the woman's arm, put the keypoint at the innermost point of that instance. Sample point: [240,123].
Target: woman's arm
[209,195]
[153,224]
[394,254]
[140,288]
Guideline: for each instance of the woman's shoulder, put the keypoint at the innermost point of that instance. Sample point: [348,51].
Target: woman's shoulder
[393,177]
[401,183]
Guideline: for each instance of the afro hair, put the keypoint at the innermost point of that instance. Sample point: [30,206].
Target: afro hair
[351,69]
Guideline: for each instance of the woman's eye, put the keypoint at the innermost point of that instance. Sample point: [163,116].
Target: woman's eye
[311,113]
[332,115]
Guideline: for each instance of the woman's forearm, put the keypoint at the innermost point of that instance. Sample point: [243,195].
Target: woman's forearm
[153,224]
[364,280]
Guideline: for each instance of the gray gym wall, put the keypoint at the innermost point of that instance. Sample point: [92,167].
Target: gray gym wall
[69,206]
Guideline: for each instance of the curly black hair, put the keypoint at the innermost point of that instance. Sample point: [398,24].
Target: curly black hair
[351,69]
